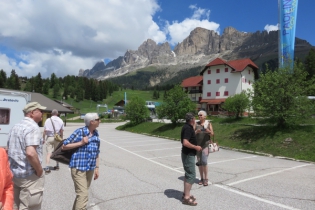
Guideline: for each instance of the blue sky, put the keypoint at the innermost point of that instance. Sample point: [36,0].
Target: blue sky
[66,36]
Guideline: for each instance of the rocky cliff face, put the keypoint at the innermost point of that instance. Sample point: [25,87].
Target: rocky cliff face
[200,47]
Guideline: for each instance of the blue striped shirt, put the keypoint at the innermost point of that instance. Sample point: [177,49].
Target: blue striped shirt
[84,158]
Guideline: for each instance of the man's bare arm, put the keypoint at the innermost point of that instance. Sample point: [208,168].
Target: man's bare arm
[32,156]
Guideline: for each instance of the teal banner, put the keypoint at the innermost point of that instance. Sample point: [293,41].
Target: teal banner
[287,25]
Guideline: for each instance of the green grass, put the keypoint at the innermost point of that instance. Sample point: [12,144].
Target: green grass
[242,134]
[120,95]
[86,106]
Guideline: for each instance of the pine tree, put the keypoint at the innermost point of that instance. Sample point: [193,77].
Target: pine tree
[56,90]
[310,63]
[38,83]
[53,79]
[3,78]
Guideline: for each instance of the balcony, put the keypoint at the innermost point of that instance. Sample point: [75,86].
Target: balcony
[194,91]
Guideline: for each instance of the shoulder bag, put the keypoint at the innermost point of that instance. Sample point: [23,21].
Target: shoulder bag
[63,156]
[56,135]
[214,147]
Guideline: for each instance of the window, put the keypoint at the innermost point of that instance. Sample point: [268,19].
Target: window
[249,82]
[209,71]
[218,81]
[249,71]
[209,94]
[217,93]
[226,80]
[226,93]
[226,70]
[209,82]
[218,71]
[4,116]
[245,80]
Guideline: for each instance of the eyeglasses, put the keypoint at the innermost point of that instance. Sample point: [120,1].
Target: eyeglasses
[200,115]
[98,119]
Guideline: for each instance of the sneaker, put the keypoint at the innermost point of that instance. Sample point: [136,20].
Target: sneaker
[47,170]
[56,168]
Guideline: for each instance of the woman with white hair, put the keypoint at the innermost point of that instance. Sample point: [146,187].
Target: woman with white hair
[84,162]
[203,130]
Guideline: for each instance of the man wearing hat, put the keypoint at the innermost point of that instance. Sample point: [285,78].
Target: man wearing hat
[25,151]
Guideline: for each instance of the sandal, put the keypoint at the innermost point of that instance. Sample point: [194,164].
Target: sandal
[56,168]
[189,202]
[205,182]
[200,182]
[47,170]
[191,197]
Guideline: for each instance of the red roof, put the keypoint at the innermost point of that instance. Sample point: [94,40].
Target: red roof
[213,101]
[241,64]
[236,65]
[192,82]
[217,61]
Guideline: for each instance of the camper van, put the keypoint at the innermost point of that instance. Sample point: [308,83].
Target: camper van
[11,111]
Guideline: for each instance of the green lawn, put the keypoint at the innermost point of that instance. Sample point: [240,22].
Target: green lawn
[247,134]
[86,106]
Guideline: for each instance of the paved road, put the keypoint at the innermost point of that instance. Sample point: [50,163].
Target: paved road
[142,172]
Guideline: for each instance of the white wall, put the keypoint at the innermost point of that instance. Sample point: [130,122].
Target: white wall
[233,86]
[247,79]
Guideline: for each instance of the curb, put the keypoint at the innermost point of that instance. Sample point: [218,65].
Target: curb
[239,150]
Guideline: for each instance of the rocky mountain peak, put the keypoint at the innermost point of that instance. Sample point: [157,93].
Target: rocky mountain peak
[197,49]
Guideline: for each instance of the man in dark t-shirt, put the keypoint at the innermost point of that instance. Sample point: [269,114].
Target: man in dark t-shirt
[189,149]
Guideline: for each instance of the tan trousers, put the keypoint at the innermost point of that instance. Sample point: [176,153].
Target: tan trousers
[28,192]
[82,181]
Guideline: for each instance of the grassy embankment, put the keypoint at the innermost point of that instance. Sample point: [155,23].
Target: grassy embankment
[247,134]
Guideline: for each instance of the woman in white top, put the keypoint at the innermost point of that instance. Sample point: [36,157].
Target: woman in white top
[204,131]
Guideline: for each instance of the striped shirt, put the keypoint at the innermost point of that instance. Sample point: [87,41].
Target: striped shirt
[23,134]
[84,158]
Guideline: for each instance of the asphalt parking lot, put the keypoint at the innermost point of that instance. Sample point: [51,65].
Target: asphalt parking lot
[145,172]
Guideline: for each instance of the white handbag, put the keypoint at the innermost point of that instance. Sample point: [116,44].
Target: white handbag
[214,147]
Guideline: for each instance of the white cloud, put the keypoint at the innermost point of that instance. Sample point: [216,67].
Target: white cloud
[83,31]
[271,27]
[64,36]
[54,61]
[178,31]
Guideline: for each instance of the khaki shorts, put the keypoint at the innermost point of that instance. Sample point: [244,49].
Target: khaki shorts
[28,192]
[189,167]
[51,144]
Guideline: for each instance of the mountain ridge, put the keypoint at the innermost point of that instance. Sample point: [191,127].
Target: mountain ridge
[198,49]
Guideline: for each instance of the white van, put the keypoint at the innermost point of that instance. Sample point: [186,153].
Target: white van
[11,111]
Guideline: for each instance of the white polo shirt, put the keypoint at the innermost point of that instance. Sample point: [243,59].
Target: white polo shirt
[58,123]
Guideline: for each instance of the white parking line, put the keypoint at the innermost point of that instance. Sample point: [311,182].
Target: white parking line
[254,197]
[216,185]
[276,172]
[223,161]
[157,149]
[163,157]
[142,157]
[143,145]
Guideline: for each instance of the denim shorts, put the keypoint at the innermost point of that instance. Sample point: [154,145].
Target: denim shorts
[189,167]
